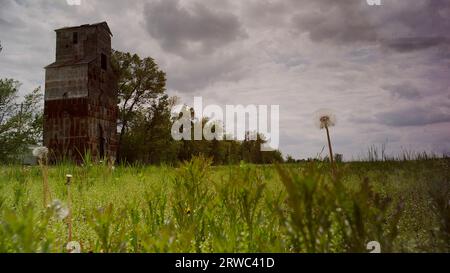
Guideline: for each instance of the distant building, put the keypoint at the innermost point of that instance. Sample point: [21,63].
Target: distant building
[27,157]
[80,112]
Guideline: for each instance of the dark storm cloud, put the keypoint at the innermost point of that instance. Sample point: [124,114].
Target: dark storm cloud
[400,25]
[423,25]
[414,116]
[264,13]
[421,18]
[193,76]
[331,21]
[416,43]
[4,22]
[404,91]
[195,30]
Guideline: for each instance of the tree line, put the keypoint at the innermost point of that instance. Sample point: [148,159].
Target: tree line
[20,122]
[144,122]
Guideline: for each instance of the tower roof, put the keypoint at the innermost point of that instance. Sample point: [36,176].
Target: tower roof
[72,62]
[101,24]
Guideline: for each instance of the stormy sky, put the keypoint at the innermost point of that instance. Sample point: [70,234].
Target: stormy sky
[384,70]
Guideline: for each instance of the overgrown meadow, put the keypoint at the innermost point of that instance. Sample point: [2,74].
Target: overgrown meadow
[196,207]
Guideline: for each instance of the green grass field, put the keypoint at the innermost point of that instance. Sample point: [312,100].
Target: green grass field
[405,206]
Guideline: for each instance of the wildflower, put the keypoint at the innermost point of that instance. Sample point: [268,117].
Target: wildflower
[60,209]
[69,207]
[188,211]
[68,179]
[324,118]
[73,247]
[40,152]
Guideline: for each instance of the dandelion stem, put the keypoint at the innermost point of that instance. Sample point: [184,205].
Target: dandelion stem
[45,187]
[69,205]
[330,148]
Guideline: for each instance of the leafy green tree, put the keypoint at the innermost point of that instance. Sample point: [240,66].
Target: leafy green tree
[149,139]
[20,122]
[141,83]
[145,122]
[290,159]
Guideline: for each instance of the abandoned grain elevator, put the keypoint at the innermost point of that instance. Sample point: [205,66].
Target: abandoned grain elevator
[80,112]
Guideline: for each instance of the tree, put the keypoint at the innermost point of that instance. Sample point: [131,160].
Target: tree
[290,159]
[145,122]
[148,139]
[20,123]
[141,83]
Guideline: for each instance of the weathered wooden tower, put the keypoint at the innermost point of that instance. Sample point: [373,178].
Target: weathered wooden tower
[80,112]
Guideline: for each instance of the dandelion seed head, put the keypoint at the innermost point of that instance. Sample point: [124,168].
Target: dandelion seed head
[62,213]
[56,203]
[73,247]
[171,240]
[40,152]
[60,209]
[324,118]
